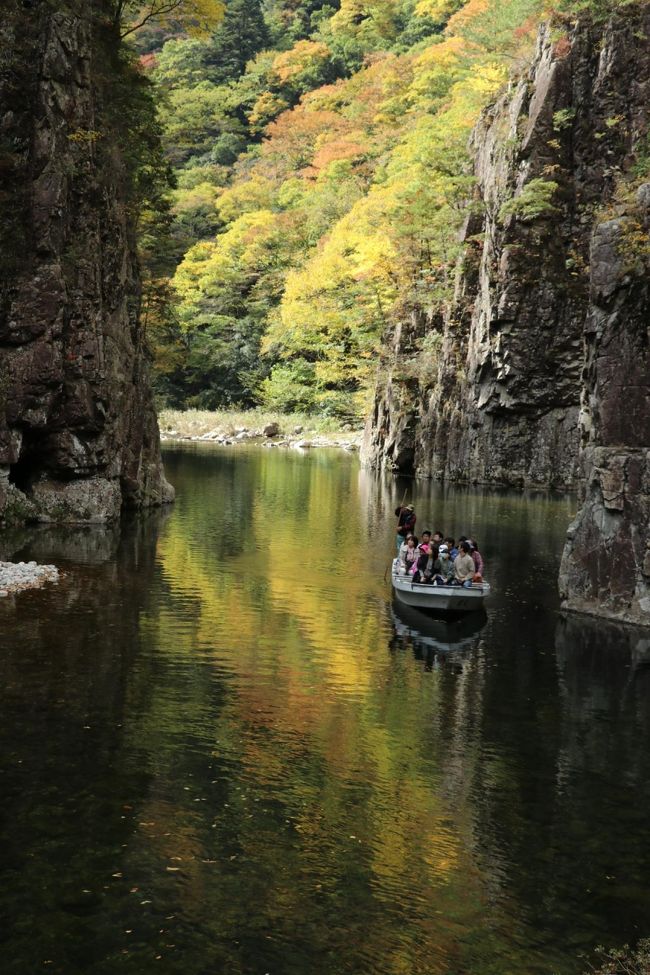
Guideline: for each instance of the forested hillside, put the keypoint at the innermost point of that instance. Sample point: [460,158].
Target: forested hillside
[321,171]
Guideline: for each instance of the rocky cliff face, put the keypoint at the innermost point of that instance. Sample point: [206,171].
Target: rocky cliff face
[606,564]
[78,432]
[543,376]
[504,399]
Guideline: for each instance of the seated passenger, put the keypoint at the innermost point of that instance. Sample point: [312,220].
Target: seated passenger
[408,554]
[451,545]
[438,539]
[428,564]
[478,560]
[464,568]
[446,572]
[425,539]
[403,547]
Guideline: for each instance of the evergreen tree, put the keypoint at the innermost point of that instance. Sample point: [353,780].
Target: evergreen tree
[241,34]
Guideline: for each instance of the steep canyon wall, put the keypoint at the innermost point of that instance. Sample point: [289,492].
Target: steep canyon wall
[78,431]
[542,377]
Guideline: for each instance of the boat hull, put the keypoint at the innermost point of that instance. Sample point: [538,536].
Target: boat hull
[440,599]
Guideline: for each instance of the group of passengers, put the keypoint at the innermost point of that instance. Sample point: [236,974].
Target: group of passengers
[434,558]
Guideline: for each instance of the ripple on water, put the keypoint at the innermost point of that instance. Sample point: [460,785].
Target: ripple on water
[222,748]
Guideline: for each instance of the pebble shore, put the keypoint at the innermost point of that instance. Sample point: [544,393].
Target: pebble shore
[274,439]
[16,576]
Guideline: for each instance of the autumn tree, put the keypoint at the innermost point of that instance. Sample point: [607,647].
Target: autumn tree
[196,15]
[322,184]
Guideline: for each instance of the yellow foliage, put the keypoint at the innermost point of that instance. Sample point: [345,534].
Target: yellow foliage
[204,194]
[378,17]
[198,17]
[304,56]
[256,193]
[438,10]
[266,107]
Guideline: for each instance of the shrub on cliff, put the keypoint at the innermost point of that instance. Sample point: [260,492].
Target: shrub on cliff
[534,202]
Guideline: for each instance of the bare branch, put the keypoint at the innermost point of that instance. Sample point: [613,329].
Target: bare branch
[158,8]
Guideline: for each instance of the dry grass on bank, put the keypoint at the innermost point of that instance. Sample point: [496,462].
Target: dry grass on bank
[196,423]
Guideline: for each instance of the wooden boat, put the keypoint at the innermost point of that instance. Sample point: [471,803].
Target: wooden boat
[438,599]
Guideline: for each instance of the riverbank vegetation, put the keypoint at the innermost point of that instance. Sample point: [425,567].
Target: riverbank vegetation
[321,177]
[227,423]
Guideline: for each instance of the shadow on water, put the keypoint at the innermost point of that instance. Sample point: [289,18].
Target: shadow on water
[223,749]
[435,640]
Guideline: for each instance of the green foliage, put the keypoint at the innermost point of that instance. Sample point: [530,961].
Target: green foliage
[322,184]
[534,202]
[195,122]
[242,33]
[563,119]
[596,9]
[290,387]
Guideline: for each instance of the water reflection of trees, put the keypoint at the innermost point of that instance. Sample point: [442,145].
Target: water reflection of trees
[269,766]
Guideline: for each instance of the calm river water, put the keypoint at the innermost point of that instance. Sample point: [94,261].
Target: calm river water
[223,751]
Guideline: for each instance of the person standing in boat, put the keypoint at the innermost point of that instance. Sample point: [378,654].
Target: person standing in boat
[406,519]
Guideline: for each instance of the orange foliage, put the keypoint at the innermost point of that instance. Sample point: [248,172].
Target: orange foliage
[467,13]
[336,150]
[291,138]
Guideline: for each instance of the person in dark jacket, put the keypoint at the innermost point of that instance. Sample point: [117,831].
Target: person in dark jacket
[406,519]
[428,566]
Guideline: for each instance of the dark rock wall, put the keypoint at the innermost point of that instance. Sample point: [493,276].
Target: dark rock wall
[502,403]
[606,564]
[78,431]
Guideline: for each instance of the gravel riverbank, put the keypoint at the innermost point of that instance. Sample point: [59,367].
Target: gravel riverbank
[272,430]
[16,576]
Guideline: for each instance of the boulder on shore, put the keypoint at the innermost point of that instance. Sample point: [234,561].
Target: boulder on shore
[271,430]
